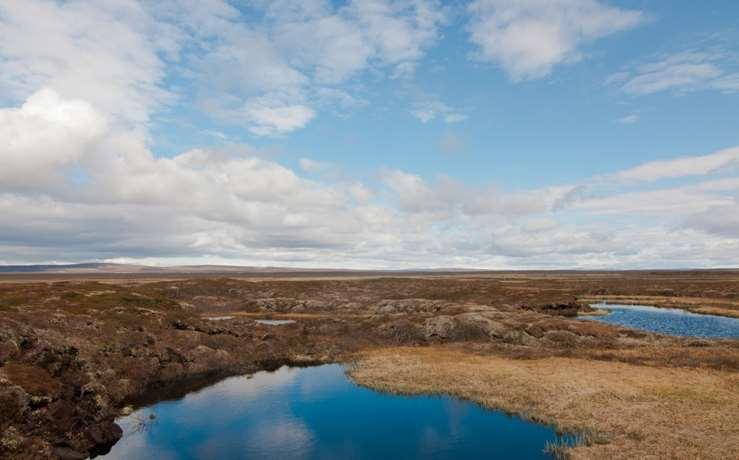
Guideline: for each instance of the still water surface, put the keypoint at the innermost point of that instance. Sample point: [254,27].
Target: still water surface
[668,321]
[318,413]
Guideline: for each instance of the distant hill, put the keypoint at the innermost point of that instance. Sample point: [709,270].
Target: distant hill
[95,267]
[101,268]
[92,268]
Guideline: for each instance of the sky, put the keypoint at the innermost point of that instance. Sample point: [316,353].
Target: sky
[396,134]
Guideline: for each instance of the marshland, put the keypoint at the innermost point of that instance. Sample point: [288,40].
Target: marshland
[78,355]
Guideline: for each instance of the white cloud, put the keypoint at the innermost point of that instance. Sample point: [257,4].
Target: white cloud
[267,77]
[669,201]
[360,192]
[399,30]
[331,45]
[427,108]
[629,119]
[267,120]
[106,53]
[78,180]
[233,205]
[413,193]
[45,135]
[701,165]
[334,44]
[303,49]
[448,197]
[338,99]
[721,221]
[686,71]
[206,205]
[530,37]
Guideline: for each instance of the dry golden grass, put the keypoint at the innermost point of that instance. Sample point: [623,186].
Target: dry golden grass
[634,411]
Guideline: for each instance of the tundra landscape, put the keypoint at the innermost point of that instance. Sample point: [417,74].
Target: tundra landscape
[369,229]
[77,350]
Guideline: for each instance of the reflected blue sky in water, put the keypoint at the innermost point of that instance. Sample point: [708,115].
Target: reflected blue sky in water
[317,413]
[668,321]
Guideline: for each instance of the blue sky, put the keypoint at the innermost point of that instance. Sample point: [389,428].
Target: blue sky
[523,133]
[371,133]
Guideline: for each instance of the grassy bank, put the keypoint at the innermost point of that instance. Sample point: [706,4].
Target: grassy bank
[627,411]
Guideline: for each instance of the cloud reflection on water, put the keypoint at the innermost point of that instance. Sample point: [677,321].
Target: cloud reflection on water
[319,413]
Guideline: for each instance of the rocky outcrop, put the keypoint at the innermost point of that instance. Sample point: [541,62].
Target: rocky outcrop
[60,393]
[568,309]
[440,328]
[475,326]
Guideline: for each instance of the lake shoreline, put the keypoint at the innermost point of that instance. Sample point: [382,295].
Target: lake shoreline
[698,306]
[641,407]
[239,407]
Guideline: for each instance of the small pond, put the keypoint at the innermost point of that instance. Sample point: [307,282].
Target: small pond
[219,318]
[275,322]
[668,321]
[318,413]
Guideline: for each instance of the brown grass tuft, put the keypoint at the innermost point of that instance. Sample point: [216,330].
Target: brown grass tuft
[34,380]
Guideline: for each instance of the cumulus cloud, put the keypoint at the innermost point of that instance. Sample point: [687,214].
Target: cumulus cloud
[333,44]
[233,206]
[267,78]
[198,202]
[82,83]
[399,30]
[683,72]
[528,38]
[107,53]
[45,135]
[303,51]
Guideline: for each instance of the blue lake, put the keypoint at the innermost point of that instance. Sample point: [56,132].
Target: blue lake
[318,413]
[668,321]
